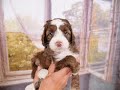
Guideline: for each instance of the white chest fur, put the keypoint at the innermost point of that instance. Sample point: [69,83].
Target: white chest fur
[59,56]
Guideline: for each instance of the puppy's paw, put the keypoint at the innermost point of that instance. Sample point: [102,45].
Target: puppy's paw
[70,62]
[42,73]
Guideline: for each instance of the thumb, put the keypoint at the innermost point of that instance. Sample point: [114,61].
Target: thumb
[51,69]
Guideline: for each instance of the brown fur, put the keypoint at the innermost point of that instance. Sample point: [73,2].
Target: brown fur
[68,61]
[43,58]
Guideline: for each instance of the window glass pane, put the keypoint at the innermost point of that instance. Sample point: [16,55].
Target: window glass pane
[100,33]
[23,20]
[70,10]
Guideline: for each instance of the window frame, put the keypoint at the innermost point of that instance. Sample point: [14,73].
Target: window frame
[85,34]
[112,45]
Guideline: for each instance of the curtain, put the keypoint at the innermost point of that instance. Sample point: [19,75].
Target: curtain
[30,16]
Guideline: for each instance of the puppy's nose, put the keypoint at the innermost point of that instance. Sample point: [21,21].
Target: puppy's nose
[58,43]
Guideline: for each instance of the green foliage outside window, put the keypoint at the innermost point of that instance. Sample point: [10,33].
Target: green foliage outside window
[94,55]
[20,51]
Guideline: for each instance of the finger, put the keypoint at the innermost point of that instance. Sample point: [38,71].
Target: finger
[62,72]
[51,69]
[65,78]
[39,68]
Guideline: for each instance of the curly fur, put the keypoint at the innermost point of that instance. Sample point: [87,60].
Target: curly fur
[46,57]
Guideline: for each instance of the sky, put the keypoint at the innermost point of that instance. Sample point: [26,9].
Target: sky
[59,6]
[32,8]
[35,8]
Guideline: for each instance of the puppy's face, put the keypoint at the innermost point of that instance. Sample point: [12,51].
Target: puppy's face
[57,35]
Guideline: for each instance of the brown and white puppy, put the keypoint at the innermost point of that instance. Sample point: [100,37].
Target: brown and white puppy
[59,42]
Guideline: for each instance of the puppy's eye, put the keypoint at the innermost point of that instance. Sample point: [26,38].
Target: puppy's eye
[65,32]
[51,33]
[49,36]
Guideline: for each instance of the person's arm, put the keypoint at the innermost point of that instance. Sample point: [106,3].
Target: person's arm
[55,80]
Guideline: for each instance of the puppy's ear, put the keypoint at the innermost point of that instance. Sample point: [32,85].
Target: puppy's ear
[44,38]
[72,39]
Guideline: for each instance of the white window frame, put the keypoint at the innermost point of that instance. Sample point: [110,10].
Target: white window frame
[84,36]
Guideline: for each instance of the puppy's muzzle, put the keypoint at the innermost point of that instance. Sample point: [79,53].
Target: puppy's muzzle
[58,44]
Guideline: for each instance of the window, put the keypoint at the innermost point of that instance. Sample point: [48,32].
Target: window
[97,37]
[22,26]
[100,41]
[99,34]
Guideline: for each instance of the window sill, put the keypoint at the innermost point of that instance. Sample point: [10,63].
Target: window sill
[16,78]
[8,83]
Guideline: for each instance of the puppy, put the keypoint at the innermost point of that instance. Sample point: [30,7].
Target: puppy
[59,42]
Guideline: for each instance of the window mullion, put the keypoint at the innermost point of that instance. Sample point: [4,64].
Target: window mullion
[2,70]
[47,10]
[112,42]
[85,33]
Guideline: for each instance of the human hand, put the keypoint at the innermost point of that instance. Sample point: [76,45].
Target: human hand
[55,80]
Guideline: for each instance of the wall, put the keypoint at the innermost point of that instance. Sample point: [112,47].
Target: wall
[97,84]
